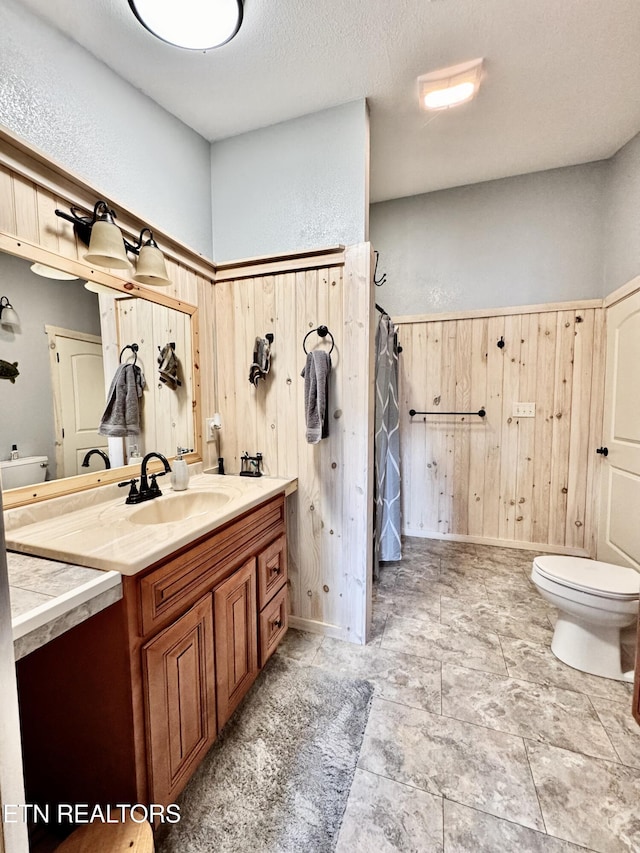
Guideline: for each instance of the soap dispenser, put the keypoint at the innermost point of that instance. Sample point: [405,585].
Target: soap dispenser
[180,472]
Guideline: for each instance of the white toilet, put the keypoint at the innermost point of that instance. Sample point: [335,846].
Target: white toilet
[24,471]
[595,600]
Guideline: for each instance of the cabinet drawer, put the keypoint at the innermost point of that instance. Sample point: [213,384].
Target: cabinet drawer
[272,570]
[274,620]
[176,584]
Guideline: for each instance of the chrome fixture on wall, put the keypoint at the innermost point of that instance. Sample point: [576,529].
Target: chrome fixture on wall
[191,24]
[8,316]
[108,248]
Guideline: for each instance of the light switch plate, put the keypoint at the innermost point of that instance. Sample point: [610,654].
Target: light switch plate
[524,410]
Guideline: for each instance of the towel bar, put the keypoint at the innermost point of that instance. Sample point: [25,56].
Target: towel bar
[481,413]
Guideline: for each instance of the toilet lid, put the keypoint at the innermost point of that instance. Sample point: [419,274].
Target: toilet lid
[604,579]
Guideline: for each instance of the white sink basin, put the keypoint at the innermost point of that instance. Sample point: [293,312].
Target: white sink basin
[180,507]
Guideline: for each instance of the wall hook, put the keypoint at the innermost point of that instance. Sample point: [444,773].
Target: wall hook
[378,281]
[500,343]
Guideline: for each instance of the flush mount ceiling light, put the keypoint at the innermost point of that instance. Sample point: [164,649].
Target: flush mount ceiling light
[108,248]
[449,87]
[192,24]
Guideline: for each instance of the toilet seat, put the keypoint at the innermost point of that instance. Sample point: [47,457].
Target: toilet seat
[603,580]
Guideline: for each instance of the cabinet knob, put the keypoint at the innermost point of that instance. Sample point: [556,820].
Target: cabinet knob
[277,623]
[604,451]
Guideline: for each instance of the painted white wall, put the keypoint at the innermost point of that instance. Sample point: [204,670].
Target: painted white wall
[622,220]
[295,185]
[62,100]
[517,241]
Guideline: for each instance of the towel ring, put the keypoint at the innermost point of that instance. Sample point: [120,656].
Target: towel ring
[322,332]
[134,348]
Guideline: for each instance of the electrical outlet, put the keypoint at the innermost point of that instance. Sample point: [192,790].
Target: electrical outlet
[212,425]
[524,410]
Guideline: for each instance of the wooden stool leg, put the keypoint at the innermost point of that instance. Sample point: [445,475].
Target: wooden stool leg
[125,837]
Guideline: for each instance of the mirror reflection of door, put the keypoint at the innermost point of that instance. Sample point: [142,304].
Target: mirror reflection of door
[78,399]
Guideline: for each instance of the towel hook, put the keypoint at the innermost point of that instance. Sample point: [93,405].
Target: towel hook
[134,348]
[382,280]
[322,331]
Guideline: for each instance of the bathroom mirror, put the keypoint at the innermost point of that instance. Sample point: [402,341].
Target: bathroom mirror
[68,345]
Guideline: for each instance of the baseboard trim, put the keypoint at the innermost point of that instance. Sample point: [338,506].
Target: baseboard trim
[500,543]
[314,627]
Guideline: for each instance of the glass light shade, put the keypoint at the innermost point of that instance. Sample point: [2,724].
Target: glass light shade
[94,287]
[192,24]
[106,247]
[8,316]
[151,267]
[51,272]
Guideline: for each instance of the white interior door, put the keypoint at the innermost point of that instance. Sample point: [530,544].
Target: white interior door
[82,401]
[619,522]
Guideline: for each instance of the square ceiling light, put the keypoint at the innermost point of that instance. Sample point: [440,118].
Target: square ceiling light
[449,87]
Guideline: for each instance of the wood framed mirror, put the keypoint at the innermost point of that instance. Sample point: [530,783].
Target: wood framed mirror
[39,406]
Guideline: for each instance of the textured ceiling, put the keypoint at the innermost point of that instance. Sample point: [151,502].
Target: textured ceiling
[561,82]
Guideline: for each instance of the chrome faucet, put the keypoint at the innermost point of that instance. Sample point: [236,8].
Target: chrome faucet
[148,491]
[101,453]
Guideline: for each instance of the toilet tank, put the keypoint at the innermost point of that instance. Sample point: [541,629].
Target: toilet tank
[23,471]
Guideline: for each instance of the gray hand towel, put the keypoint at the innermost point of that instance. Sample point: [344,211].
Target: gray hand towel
[316,395]
[122,413]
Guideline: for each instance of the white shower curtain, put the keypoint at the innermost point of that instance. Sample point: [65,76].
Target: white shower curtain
[387,445]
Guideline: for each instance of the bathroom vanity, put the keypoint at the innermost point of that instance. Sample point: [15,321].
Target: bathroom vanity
[123,707]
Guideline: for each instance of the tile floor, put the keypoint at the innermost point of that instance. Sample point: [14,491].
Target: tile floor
[479,739]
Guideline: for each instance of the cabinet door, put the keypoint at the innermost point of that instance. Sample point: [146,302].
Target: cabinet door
[180,694]
[236,638]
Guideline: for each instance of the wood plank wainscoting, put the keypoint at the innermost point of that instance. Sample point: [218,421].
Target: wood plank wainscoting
[527,482]
[330,518]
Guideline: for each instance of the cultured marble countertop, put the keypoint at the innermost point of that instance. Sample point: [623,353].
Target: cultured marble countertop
[49,597]
[97,529]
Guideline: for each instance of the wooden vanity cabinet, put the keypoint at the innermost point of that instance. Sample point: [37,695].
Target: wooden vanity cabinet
[123,707]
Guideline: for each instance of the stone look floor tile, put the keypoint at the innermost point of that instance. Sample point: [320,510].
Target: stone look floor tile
[536,662]
[300,646]
[386,816]
[586,800]
[479,767]
[398,677]
[502,616]
[378,623]
[621,727]
[471,831]
[434,585]
[447,643]
[404,602]
[548,714]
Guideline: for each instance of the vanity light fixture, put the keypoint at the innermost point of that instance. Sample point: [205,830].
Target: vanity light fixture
[191,24]
[108,248]
[8,316]
[449,87]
